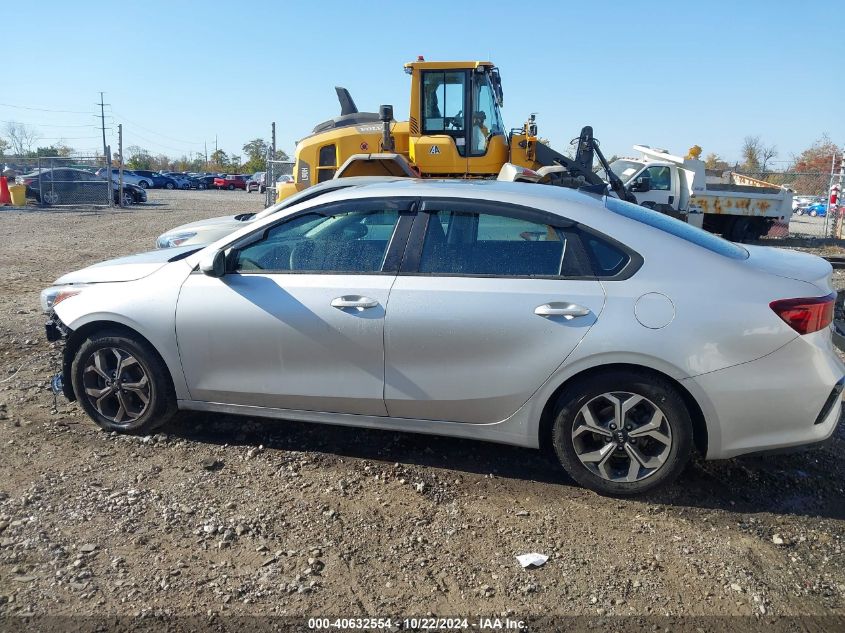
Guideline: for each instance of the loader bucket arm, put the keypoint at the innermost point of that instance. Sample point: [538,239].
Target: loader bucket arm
[546,156]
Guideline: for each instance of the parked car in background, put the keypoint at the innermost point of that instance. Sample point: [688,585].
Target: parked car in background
[65,185]
[128,176]
[606,354]
[203,182]
[257,182]
[132,194]
[158,180]
[230,182]
[183,181]
[206,231]
[817,209]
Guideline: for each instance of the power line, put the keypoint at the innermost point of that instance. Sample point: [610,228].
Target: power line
[10,105]
[135,123]
[46,124]
[132,133]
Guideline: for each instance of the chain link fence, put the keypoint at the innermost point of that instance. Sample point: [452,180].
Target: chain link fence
[62,181]
[811,217]
[276,170]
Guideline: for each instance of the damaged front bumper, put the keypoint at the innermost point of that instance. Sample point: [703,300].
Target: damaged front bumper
[56,331]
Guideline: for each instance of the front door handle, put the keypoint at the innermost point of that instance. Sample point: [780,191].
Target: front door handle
[561,309]
[354,301]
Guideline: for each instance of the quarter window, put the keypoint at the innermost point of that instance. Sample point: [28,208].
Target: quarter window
[342,242]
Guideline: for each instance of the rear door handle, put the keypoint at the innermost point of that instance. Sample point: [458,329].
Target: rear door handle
[561,309]
[354,301]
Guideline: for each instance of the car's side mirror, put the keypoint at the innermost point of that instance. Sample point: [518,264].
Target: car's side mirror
[214,264]
[641,184]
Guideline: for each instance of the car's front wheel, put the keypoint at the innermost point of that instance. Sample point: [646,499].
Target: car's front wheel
[231,187]
[622,432]
[169,185]
[128,199]
[122,384]
[143,184]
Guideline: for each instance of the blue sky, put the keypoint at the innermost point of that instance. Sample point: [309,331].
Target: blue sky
[667,74]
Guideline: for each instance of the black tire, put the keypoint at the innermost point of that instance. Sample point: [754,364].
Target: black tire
[201,185]
[231,187]
[655,390]
[161,399]
[169,185]
[143,184]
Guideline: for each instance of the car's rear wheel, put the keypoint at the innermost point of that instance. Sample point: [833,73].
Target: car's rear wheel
[201,185]
[813,213]
[122,384]
[168,185]
[143,184]
[622,433]
[231,187]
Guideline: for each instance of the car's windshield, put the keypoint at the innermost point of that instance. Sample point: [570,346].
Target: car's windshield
[624,169]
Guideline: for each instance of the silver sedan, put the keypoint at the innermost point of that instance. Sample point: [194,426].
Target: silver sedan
[615,338]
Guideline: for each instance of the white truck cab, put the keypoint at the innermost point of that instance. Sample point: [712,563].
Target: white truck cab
[740,208]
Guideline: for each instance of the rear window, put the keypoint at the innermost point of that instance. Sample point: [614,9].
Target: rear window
[677,228]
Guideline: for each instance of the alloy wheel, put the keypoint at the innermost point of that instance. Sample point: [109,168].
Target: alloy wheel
[50,197]
[116,385]
[622,437]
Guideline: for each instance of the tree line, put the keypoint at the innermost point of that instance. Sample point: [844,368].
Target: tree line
[254,158]
[20,140]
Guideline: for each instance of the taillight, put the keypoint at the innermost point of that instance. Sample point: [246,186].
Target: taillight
[806,315]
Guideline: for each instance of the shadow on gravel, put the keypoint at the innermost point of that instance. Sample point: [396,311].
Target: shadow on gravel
[803,484]
[469,456]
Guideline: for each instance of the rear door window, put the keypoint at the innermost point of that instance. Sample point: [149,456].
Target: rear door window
[500,240]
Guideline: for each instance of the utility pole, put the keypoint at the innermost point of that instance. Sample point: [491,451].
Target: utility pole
[106,150]
[270,175]
[103,126]
[120,166]
[205,147]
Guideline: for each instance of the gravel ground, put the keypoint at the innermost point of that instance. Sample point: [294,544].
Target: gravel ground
[224,515]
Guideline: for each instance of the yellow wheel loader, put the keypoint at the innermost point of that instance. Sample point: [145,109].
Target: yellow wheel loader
[454,130]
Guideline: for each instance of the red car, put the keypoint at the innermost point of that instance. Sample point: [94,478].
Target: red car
[231,182]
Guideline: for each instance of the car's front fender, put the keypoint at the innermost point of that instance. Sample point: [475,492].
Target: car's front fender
[146,306]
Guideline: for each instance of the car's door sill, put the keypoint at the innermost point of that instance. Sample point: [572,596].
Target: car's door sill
[511,431]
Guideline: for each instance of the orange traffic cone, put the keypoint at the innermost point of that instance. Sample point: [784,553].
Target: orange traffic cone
[5,196]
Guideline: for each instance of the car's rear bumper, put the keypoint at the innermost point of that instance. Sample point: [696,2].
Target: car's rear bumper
[781,401]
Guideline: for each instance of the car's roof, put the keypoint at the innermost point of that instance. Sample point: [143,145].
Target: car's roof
[546,197]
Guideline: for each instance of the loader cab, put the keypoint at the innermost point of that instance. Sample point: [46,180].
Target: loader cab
[455,124]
